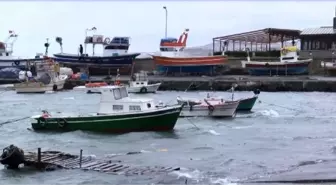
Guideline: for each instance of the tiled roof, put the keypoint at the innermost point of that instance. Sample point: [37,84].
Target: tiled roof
[325,30]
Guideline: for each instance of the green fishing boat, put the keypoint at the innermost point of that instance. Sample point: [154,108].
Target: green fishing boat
[118,113]
[246,104]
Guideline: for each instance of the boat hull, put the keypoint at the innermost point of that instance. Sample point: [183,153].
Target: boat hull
[190,61]
[17,63]
[150,88]
[185,69]
[223,110]
[277,68]
[204,64]
[118,60]
[163,119]
[246,104]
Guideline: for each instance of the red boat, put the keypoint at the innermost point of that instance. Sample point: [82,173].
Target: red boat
[190,61]
[172,58]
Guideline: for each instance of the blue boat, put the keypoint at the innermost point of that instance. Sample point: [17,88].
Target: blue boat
[115,53]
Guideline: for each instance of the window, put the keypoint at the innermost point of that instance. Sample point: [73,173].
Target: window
[121,47]
[7,54]
[123,92]
[117,94]
[149,105]
[117,107]
[287,58]
[134,108]
[305,45]
[317,45]
[0,54]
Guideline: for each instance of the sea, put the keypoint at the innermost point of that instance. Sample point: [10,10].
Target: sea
[287,136]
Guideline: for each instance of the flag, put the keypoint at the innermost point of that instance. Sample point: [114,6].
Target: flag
[94,28]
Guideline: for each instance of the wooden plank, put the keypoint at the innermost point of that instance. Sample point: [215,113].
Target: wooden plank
[95,165]
[59,160]
[98,167]
[116,168]
[106,165]
[109,167]
[119,170]
[89,164]
[75,163]
[64,162]
[47,158]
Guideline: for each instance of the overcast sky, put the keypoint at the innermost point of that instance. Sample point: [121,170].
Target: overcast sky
[144,21]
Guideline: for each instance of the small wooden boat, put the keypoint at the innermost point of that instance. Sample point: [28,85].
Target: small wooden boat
[12,157]
[207,108]
[172,58]
[118,113]
[289,64]
[48,79]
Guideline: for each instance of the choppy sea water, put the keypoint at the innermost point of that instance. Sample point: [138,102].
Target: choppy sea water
[284,133]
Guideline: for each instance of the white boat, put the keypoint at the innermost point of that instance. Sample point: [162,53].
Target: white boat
[47,79]
[207,108]
[6,54]
[139,84]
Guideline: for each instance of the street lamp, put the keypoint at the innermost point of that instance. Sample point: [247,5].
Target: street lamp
[165,8]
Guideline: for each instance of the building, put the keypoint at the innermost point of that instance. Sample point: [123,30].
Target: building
[259,40]
[319,42]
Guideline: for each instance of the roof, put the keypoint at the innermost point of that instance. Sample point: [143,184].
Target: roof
[324,30]
[261,36]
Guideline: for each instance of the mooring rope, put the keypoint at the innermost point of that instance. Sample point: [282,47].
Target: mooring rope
[14,120]
[284,107]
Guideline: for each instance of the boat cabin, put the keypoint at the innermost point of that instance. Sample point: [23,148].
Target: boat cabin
[118,45]
[174,44]
[165,41]
[114,47]
[114,100]
[139,79]
[289,54]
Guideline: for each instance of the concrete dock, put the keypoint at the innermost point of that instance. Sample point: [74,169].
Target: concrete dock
[223,83]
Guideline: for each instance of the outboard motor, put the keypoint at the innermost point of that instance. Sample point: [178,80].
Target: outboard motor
[256,91]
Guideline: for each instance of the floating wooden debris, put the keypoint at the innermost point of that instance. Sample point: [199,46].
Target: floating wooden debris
[50,160]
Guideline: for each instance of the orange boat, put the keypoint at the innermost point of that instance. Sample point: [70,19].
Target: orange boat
[173,59]
[190,61]
[96,84]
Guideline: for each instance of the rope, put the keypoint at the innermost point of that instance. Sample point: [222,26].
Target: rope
[14,120]
[193,124]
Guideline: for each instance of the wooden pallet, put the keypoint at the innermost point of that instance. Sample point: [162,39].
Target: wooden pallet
[69,161]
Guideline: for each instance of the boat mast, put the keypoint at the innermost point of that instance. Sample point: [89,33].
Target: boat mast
[86,32]
[9,42]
